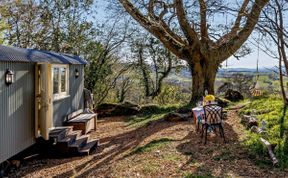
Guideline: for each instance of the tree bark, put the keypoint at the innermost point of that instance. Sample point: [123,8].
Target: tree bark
[203,78]
[210,77]
[197,82]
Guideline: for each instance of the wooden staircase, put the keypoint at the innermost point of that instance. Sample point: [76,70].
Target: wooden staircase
[68,141]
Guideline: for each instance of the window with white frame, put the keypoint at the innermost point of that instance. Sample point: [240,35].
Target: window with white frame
[60,81]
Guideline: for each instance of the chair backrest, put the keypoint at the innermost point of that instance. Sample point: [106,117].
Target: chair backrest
[213,114]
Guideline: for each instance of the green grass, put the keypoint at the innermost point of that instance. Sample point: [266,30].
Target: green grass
[271,110]
[233,104]
[150,113]
[155,144]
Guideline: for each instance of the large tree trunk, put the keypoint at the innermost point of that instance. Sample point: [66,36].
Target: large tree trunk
[197,82]
[203,78]
[210,77]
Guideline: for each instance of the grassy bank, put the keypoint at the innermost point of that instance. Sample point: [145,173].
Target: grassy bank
[271,110]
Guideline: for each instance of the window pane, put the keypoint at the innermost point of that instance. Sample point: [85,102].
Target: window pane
[55,80]
[63,79]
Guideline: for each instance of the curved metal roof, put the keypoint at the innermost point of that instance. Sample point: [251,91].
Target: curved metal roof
[14,54]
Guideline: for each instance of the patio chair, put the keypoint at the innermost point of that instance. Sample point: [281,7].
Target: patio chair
[213,116]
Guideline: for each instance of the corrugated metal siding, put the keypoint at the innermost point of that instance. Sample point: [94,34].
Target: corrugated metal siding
[16,109]
[63,107]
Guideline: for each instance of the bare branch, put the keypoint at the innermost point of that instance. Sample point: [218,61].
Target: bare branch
[236,26]
[233,44]
[203,23]
[158,29]
[188,31]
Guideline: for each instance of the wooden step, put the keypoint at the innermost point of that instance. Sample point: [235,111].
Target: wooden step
[71,142]
[59,133]
[79,143]
[90,145]
[63,145]
[69,139]
[84,121]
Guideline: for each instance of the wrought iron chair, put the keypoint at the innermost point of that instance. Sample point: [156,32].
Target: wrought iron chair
[213,119]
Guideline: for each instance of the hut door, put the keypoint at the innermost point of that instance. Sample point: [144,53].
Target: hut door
[44,104]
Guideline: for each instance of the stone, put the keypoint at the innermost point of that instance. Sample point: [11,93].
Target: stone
[176,117]
[249,121]
[149,108]
[254,129]
[222,102]
[233,95]
[252,122]
[111,109]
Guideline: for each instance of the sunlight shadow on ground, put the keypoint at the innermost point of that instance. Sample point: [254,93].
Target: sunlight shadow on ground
[117,146]
[212,153]
[178,144]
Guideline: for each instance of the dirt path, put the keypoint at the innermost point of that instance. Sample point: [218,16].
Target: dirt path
[165,149]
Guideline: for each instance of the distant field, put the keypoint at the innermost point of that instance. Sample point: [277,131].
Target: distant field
[267,78]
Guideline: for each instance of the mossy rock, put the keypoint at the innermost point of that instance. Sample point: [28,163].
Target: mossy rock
[112,109]
[184,111]
[222,102]
[150,108]
[176,117]
[233,95]
[130,104]
[106,106]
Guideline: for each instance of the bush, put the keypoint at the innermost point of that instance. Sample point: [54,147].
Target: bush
[172,94]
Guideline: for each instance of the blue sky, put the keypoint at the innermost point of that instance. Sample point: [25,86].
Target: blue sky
[248,61]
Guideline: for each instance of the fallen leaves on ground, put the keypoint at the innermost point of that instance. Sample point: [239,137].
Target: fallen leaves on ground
[179,153]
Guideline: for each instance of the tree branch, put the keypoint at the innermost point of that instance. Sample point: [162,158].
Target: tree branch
[236,26]
[159,29]
[188,31]
[234,43]
[203,23]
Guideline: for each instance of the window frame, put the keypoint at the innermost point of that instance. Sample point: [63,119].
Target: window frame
[60,94]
